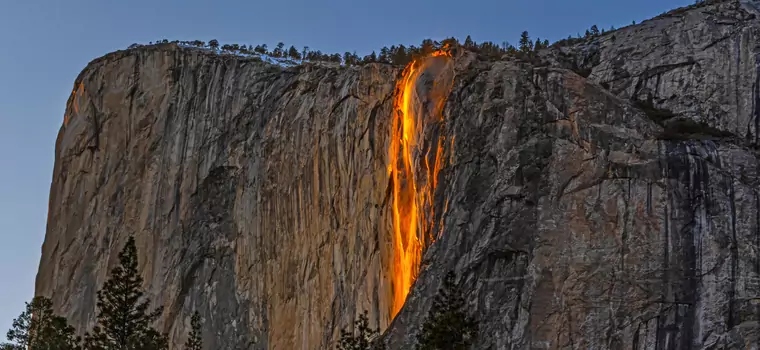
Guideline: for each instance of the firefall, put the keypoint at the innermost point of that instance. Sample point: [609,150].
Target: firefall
[412,194]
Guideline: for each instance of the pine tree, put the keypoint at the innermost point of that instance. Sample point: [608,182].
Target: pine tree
[214,44]
[468,43]
[123,320]
[384,54]
[400,56]
[526,45]
[347,58]
[38,328]
[195,341]
[449,43]
[427,47]
[293,53]
[447,326]
[594,30]
[363,337]
[278,52]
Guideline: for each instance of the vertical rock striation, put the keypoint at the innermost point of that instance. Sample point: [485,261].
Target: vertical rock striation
[607,200]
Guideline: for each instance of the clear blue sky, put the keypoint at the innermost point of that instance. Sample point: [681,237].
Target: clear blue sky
[46,43]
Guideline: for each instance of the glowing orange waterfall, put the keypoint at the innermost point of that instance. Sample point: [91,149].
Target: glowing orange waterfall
[413,192]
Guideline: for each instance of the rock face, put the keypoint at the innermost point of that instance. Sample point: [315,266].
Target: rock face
[607,200]
[256,194]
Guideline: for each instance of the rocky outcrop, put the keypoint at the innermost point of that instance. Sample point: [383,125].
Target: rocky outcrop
[613,209]
[692,70]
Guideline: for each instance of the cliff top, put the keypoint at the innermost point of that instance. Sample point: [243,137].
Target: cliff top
[284,57]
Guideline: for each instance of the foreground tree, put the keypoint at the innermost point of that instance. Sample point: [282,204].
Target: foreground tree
[195,341]
[123,320]
[38,328]
[447,326]
[362,337]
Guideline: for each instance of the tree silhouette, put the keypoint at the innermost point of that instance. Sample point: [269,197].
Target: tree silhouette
[195,341]
[538,45]
[38,328]
[468,43]
[449,42]
[293,53]
[278,50]
[350,59]
[362,337]
[214,44]
[400,56]
[526,45]
[447,326]
[123,321]
[427,47]
[594,30]
[384,54]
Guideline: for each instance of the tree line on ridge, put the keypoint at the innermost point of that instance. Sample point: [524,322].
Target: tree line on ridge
[395,54]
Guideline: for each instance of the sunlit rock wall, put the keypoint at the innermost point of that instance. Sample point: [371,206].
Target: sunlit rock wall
[257,194]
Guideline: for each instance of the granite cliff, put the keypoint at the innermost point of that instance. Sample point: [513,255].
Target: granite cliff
[602,198]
